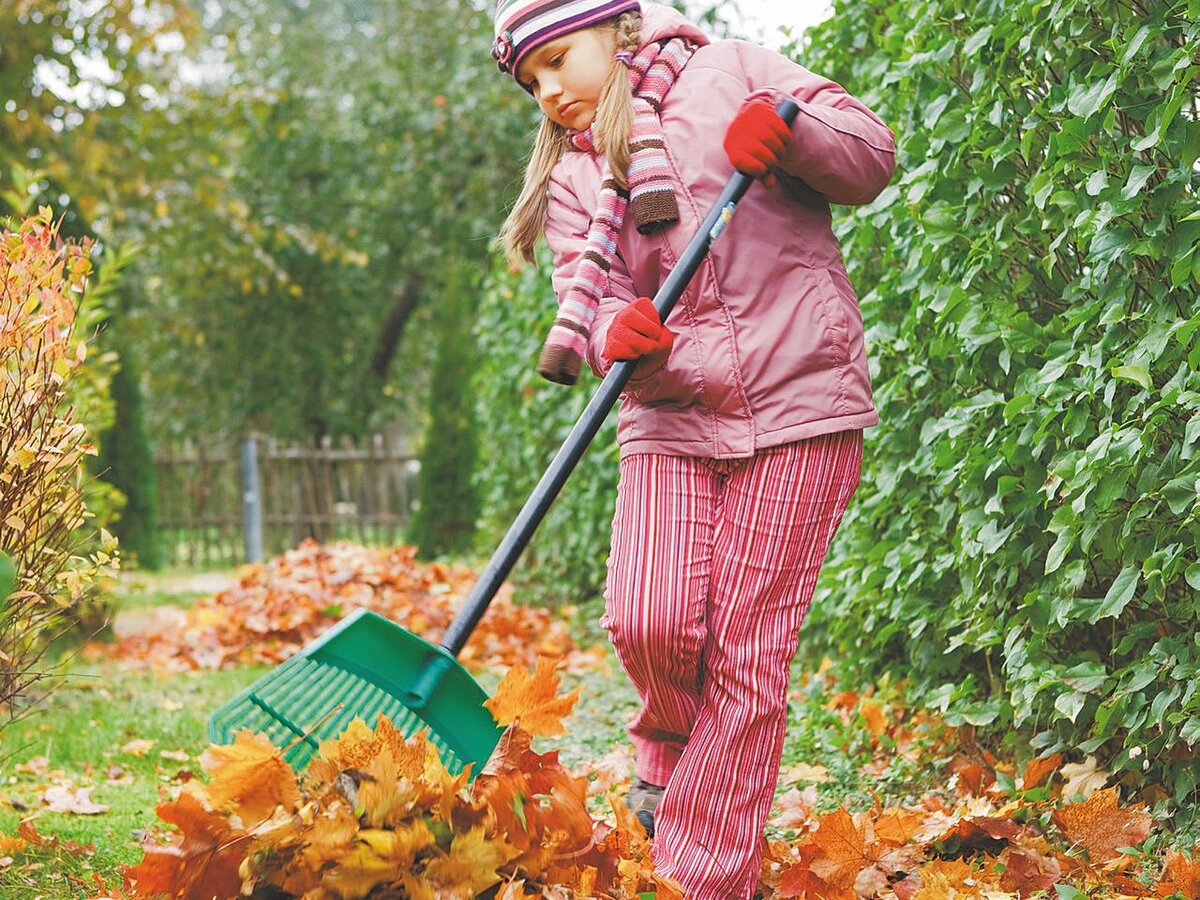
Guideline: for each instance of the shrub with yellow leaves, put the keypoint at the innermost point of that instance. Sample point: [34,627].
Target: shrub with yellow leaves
[42,448]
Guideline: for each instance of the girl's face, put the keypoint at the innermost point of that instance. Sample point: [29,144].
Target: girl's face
[567,74]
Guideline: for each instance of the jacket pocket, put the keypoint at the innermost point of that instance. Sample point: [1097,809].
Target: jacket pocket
[834,317]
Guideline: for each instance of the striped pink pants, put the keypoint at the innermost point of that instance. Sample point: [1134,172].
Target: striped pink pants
[712,569]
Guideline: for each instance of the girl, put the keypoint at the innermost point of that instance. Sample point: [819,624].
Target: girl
[741,428]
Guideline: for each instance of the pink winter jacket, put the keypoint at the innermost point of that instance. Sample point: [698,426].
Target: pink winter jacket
[769,340]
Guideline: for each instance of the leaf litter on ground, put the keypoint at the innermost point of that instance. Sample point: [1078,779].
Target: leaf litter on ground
[377,815]
[279,606]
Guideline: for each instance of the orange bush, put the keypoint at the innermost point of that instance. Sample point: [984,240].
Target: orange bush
[42,446]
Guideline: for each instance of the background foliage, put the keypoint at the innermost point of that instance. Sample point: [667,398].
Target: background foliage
[1023,546]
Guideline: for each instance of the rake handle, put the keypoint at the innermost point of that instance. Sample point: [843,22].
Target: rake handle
[572,449]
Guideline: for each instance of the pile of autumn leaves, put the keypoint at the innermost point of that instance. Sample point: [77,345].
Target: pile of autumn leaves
[280,606]
[378,816]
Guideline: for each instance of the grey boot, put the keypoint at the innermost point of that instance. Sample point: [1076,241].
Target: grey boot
[642,801]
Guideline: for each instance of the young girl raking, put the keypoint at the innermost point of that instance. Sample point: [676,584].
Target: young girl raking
[741,428]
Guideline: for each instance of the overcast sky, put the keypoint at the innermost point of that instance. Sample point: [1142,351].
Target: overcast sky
[763,18]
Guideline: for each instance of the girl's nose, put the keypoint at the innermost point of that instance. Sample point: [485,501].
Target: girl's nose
[548,88]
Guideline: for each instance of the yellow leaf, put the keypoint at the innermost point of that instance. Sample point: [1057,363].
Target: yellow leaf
[532,699]
[376,857]
[250,776]
[470,866]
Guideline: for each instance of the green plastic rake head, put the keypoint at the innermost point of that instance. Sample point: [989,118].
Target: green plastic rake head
[363,666]
[366,665]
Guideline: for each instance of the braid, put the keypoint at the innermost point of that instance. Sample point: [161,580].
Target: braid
[614,113]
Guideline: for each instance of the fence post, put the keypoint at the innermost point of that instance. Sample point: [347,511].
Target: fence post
[252,501]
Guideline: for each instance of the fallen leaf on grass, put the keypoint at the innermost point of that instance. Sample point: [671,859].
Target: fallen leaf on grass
[201,862]
[1039,770]
[176,755]
[137,747]
[1101,827]
[115,776]
[796,806]
[1027,872]
[65,798]
[38,765]
[805,772]
[1180,876]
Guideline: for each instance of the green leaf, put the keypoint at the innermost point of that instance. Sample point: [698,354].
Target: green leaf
[1137,374]
[1192,576]
[1086,99]
[1070,704]
[1066,892]
[1119,595]
[1137,179]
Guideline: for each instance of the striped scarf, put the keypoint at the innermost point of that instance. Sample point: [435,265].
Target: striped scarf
[651,193]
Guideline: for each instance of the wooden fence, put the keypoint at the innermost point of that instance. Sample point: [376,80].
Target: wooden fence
[360,492]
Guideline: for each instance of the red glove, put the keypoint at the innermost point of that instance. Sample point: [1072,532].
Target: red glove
[756,138]
[636,331]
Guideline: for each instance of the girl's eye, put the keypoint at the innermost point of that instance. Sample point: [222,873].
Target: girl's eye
[557,61]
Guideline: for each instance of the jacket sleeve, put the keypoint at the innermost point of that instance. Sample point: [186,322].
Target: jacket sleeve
[567,226]
[839,148]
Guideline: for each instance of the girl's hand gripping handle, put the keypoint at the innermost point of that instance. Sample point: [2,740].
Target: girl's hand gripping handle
[757,139]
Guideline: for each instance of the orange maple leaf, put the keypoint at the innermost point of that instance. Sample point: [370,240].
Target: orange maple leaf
[1180,876]
[1026,871]
[201,862]
[1101,827]
[843,850]
[872,713]
[250,776]
[898,826]
[532,699]
[1037,770]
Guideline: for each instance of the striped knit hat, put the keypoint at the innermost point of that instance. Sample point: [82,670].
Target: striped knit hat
[524,25]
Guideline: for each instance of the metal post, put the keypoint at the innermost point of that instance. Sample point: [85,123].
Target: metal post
[252,501]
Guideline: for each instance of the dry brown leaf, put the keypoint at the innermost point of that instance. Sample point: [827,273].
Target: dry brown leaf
[1038,770]
[1027,871]
[66,798]
[795,807]
[802,771]
[1101,827]
[138,747]
[1180,876]
[532,699]
[201,862]
[872,713]
[898,826]
[843,850]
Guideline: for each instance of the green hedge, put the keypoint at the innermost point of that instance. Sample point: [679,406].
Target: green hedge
[523,420]
[1023,546]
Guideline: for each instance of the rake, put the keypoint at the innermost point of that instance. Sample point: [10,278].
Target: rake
[366,665]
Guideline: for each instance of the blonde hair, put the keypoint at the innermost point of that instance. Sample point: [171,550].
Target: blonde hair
[611,128]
